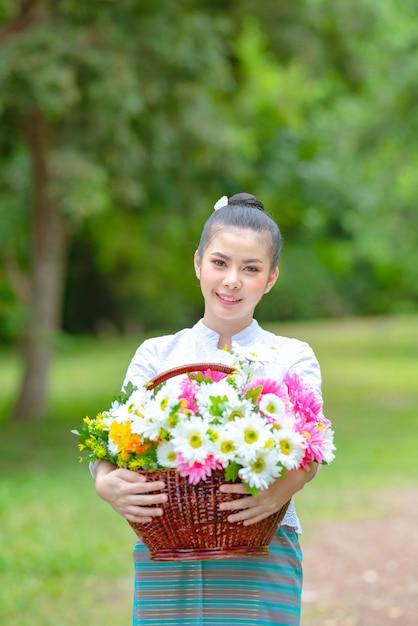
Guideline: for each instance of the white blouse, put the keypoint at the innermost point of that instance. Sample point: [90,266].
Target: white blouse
[199,344]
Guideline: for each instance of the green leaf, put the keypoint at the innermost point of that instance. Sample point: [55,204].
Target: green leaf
[231,472]
[253,491]
[124,395]
[254,393]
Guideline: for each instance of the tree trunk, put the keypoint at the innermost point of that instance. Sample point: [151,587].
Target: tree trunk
[45,281]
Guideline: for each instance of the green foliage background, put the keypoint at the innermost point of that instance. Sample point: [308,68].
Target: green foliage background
[156,109]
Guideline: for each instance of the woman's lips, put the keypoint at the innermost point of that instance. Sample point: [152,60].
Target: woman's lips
[228,300]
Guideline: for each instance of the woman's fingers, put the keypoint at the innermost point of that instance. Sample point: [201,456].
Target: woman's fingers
[143,487]
[131,495]
[140,514]
[253,509]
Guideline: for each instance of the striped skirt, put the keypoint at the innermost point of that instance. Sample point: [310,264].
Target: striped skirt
[247,591]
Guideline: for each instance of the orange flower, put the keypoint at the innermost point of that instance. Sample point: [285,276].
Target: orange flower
[134,446]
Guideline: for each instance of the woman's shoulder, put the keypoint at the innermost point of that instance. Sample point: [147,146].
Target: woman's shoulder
[283,342]
[166,341]
[294,355]
[154,355]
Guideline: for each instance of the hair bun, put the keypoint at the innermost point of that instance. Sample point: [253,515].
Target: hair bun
[245,200]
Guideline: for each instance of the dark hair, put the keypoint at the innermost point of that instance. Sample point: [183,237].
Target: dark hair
[243,210]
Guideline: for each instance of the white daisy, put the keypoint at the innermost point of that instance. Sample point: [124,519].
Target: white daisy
[221,393]
[250,434]
[166,398]
[290,447]
[146,427]
[192,439]
[238,409]
[262,470]
[139,397]
[166,455]
[272,406]
[328,445]
[120,414]
[225,448]
[256,353]
[286,422]
[149,423]
[112,446]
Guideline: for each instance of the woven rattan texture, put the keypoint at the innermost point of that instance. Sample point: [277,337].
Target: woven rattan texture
[192,526]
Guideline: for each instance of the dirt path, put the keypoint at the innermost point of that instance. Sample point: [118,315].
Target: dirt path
[364,573]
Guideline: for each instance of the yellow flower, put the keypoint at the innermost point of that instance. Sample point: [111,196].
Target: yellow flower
[164,403]
[135,464]
[90,442]
[120,434]
[213,434]
[100,451]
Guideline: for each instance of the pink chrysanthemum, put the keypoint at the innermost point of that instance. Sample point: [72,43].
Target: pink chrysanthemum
[214,375]
[322,420]
[268,386]
[197,471]
[305,403]
[189,389]
[314,444]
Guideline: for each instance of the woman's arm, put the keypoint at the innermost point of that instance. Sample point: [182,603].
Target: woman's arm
[129,493]
[253,509]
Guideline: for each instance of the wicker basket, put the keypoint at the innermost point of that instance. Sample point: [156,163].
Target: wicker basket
[192,527]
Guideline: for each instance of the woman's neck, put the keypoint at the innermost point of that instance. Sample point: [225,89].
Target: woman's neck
[225,342]
[226,332]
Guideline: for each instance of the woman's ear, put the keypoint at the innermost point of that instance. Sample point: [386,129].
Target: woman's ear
[196,261]
[272,279]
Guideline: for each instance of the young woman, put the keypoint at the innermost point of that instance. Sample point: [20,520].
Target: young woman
[236,264]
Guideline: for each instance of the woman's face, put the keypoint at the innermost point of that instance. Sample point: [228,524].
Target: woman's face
[234,273]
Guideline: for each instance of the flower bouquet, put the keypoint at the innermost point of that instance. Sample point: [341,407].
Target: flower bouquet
[199,426]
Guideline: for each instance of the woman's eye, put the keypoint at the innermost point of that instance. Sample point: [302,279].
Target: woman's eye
[218,262]
[251,268]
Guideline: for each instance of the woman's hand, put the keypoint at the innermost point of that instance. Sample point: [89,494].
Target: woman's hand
[129,493]
[252,509]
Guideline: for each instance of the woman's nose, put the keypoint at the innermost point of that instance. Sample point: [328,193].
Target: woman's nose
[232,280]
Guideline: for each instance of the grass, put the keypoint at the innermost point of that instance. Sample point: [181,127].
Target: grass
[65,555]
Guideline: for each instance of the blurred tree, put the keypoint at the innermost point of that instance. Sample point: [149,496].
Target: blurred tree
[359,197]
[332,97]
[121,123]
[96,102]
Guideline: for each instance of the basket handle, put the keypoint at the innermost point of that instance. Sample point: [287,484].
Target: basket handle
[184,369]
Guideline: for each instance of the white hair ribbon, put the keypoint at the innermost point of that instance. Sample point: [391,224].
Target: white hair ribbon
[221,203]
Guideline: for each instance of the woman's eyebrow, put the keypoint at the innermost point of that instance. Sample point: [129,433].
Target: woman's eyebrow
[227,258]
